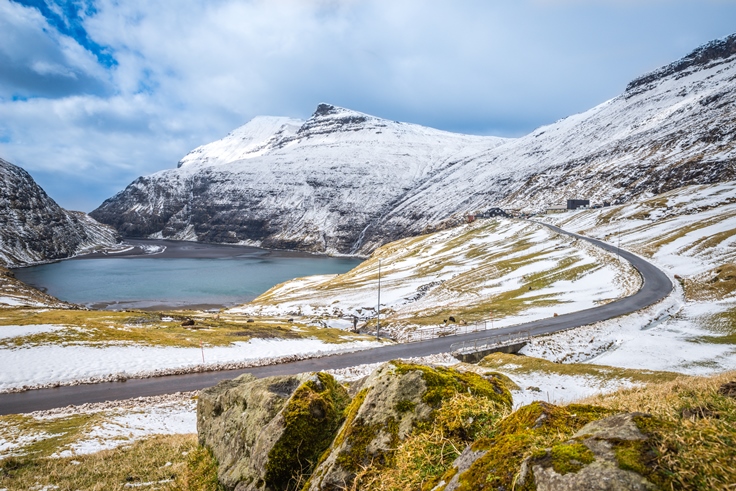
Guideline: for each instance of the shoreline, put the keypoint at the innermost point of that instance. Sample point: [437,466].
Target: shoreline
[162,307]
[184,249]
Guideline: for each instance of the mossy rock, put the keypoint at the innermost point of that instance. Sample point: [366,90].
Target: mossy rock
[576,447]
[268,434]
[497,461]
[608,454]
[396,400]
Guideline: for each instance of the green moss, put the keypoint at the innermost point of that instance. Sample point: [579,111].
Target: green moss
[571,457]
[504,379]
[446,477]
[526,432]
[311,419]
[630,456]
[442,383]
[405,406]
[351,412]
[354,431]
[201,471]
[355,454]
[643,457]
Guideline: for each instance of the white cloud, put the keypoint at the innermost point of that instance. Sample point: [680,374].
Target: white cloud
[37,60]
[189,72]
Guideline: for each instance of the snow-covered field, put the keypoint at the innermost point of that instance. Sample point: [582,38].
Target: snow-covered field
[108,425]
[51,365]
[689,232]
[495,272]
[686,232]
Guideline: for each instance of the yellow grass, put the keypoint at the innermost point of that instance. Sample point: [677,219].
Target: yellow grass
[698,448]
[149,328]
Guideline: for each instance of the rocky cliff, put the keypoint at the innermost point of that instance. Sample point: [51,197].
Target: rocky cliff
[347,182]
[33,228]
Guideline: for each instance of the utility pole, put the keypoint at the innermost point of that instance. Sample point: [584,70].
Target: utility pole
[378,328]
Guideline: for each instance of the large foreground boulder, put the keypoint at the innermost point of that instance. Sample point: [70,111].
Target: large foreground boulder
[267,434]
[396,400]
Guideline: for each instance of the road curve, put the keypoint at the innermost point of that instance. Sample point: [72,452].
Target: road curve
[656,286]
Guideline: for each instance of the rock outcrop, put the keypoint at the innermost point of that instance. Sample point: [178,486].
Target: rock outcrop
[601,452]
[267,434]
[347,182]
[589,461]
[394,402]
[444,429]
[33,228]
[274,433]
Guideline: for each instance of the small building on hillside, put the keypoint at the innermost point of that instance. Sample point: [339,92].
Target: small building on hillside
[492,212]
[574,204]
[555,209]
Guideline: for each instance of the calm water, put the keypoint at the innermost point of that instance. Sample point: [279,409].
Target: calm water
[215,276]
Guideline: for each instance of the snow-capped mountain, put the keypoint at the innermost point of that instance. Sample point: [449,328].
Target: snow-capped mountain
[346,182]
[672,127]
[33,228]
[283,183]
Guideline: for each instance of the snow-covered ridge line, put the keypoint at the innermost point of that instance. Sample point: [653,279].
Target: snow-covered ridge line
[714,51]
[347,182]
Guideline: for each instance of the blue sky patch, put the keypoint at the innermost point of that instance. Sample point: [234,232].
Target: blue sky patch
[68,18]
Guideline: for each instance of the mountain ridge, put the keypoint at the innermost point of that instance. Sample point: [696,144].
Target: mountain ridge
[347,182]
[338,165]
[34,229]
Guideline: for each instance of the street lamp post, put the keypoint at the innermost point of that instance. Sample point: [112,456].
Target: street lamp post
[378,326]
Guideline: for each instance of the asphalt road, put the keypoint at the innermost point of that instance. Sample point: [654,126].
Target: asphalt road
[656,286]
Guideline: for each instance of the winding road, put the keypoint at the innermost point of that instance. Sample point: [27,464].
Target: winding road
[656,286]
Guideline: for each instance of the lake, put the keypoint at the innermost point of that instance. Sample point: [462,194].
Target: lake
[161,274]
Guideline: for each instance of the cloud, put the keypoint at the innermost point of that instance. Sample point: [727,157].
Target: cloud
[187,73]
[38,61]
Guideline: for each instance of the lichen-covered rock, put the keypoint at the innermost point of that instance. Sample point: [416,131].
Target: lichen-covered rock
[549,448]
[590,461]
[394,401]
[451,480]
[267,434]
[498,462]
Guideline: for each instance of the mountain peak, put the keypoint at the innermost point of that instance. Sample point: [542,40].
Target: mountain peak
[330,119]
[713,51]
[325,110]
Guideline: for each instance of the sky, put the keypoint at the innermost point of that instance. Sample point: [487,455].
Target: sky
[94,93]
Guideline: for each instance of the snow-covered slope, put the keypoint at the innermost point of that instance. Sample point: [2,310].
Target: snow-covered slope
[347,182]
[33,228]
[283,183]
[253,139]
[673,127]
